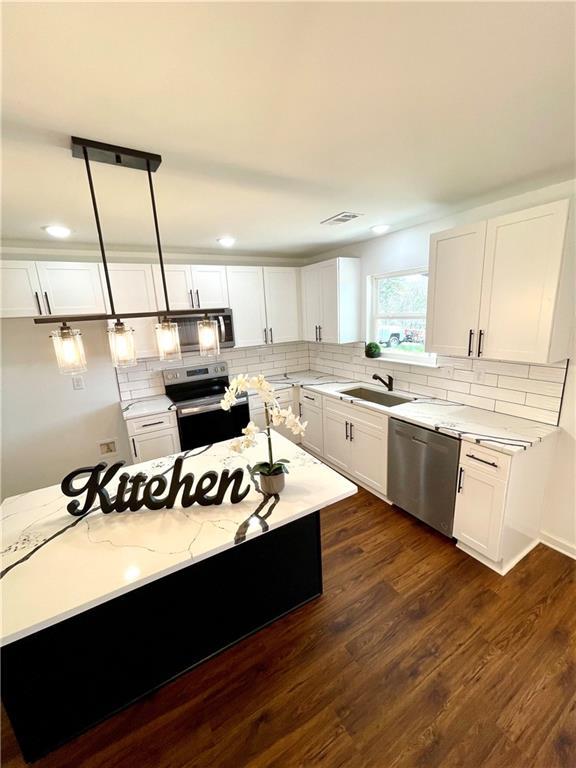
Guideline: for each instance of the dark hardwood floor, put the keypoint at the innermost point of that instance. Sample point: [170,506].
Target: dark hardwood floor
[416,655]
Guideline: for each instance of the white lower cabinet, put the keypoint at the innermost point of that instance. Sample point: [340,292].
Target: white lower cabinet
[356,441]
[152,437]
[479,510]
[311,412]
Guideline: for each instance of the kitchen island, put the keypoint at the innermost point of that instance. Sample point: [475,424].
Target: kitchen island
[102,609]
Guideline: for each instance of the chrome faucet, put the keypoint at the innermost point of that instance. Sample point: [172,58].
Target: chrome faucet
[388,384]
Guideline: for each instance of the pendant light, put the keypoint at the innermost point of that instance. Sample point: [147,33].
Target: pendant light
[167,334]
[69,350]
[208,338]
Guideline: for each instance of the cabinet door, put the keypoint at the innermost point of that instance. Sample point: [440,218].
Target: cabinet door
[210,286]
[71,288]
[370,453]
[246,289]
[329,301]
[20,289]
[313,438]
[179,285]
[454,287]
[521,273]
[479,511]
[133,291]
[155,445]
[336,443]
[311,302]
[282,303]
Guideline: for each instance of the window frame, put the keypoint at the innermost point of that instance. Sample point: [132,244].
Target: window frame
[411,358]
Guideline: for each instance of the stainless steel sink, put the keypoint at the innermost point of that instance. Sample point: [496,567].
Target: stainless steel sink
[373,396]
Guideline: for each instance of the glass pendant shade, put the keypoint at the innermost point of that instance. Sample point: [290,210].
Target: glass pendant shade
[208,338]
[122,347]
[168,341]
[69,350]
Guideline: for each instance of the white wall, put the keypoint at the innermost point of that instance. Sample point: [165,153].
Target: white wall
[408,248]
[48,428]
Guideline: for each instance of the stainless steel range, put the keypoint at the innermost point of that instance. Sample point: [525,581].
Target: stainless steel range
[196,392]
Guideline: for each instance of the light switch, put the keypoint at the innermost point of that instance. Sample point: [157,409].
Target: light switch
[108,447]
[78,382]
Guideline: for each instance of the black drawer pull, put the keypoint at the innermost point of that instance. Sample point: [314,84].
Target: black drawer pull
[134,446]
[490,463]
[460,478]
[480,337]
[470,340]
[153,424]
[308,397]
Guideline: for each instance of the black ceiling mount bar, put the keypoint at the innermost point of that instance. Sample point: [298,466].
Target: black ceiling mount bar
[157,230]
[99,228]
[114,155]
[45,319]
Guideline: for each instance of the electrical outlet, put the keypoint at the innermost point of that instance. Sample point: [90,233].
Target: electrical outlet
[78,382]
[479,377]
[108,447]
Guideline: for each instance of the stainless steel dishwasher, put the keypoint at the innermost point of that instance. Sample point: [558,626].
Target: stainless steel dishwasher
[422,473]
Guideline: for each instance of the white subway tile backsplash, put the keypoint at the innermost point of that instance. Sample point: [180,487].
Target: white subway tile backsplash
[419,389]
[545,373]
[473,400]
[497,393]
[526,412]
[455,386]
[543,401]
[505,369]
[531,385]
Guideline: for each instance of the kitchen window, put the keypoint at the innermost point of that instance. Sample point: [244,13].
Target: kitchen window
[399,315]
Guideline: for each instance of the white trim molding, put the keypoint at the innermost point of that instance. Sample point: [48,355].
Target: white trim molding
[563,546]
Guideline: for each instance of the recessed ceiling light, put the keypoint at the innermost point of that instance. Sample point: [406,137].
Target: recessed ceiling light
[57,230]
[379,229]
[226,241]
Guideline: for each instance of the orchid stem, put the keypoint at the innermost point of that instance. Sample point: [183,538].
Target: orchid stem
[270,459]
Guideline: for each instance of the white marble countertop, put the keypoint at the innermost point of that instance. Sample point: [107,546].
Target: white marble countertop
[306,378]
[55,565]
[471,424]
[149,406]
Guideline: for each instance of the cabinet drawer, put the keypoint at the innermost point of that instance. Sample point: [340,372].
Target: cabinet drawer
[151,423]
[486,460]
[285,396]
[310,398]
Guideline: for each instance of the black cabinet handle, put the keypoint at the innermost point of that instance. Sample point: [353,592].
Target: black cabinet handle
[346,430]
[316,332]
[351,431]
[198,298]
[134,446]
[271,337]
[192,298]
[38,302]
[300,409]
[490,463]
[480,337]
[153,424]
[265,335]
[470,341]
[460,478]
[308,397]
[319,333]
[47,303]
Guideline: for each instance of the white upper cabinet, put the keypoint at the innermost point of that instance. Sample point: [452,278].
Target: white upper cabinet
[521,282]
[507,295]
[331,301]
[210,286]
[192,287]
[246,290]
[20,289]
[71,288]
[133,291]
[454,286]
[178,284]
[281,289]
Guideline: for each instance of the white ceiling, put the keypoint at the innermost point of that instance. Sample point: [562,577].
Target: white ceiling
[272,117]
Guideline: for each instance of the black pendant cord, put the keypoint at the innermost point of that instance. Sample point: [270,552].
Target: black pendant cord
[157,229]
[99,228]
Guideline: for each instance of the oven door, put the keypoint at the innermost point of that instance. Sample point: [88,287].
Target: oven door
[199,426]
[188,329]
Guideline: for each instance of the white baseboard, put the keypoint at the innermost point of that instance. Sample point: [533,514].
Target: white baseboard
[560,545]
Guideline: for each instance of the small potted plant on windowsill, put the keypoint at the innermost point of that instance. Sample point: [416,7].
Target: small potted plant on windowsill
[372,349]
[272,472]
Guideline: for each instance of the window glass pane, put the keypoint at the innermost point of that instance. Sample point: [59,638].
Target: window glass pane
[403,294]
[401,335]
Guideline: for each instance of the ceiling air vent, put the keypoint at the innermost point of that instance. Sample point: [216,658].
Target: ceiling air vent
[341,218]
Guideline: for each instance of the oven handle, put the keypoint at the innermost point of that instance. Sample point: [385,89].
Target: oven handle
[193,410]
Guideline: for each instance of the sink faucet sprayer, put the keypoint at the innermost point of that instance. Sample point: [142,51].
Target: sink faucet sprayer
[388,384]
